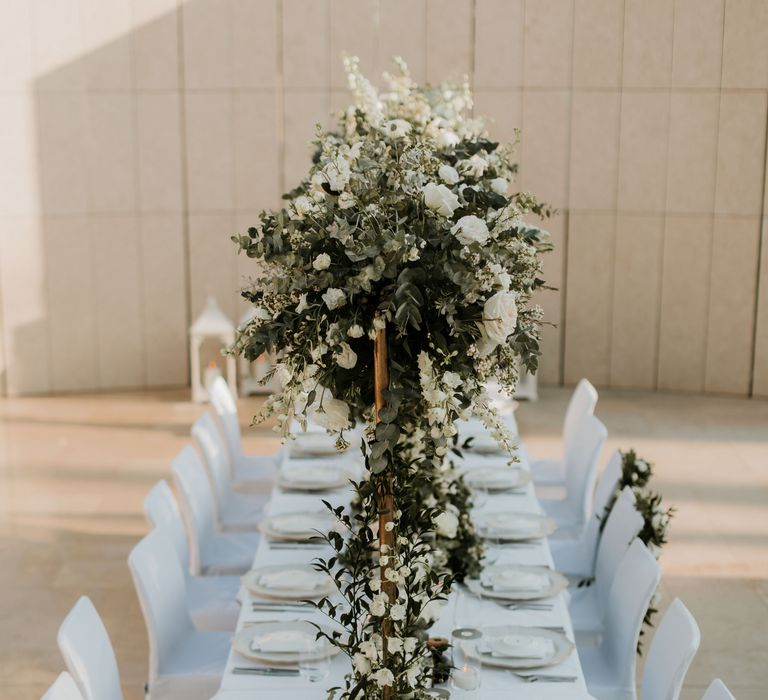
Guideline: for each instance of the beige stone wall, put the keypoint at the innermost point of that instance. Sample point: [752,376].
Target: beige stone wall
[136,135]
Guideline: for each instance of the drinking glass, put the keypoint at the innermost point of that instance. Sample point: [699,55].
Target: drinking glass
[315,659]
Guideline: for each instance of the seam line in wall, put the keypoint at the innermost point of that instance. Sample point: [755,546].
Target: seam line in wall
[183,174]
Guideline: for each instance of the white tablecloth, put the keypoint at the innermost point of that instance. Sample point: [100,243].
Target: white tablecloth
[496,683]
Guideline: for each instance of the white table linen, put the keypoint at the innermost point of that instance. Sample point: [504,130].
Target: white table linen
[496,683]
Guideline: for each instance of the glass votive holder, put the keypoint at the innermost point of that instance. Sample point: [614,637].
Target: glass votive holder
[466,667]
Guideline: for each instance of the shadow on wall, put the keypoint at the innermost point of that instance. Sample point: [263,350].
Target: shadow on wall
[103,269]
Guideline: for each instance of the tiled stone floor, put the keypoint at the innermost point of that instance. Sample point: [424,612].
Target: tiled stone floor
[74,471]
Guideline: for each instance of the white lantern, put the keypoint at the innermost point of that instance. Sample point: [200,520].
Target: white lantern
[251,373]
[211,324]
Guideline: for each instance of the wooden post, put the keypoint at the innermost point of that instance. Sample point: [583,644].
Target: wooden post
[386,500]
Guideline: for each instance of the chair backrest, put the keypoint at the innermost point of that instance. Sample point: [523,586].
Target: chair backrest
[161,589]
[582,403]
[672,649]
[606,487]
[633,586]
[581,460]
[161,509]
[226,409]
[88,654]
[63,688]
[208,439]
[718,691]
[196,501]
[623,525]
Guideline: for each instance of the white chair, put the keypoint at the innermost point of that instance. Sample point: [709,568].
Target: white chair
[63,688]
[610,668]
[235,512]
[577,557]
[88,654]
[572,512]
[211,553]
[588,605]
[583,402]
[211,601]
[248,472]
[718,691]
[672,649]
[184,663]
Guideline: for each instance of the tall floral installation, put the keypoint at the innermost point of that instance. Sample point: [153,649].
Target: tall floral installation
[395,283]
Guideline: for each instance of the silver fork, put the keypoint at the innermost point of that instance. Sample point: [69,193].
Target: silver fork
[543,678]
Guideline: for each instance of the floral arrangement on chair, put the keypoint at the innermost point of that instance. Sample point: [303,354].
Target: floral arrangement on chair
[636,473]
[395,283]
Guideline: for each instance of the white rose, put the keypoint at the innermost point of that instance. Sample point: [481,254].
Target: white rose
[346,200]
[394,645]
[355,331]
[361,664]
[500,316]
[334,298]
[397,612]
[474,166]
[331,414]
[384,677]
[368,648]
[447,525]
[396,128]
[440,199]
[470,229]
[499,185]
[379,604]
[345,357]
[447,138]
[322,262]
[302,305]
[303,206]
[448,174]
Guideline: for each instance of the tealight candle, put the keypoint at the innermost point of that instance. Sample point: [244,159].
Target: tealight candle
[466,678]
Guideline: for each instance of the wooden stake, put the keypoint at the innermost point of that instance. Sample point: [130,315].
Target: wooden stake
[386,499]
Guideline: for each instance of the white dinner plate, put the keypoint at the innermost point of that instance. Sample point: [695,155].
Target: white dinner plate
[494,639]
[291,581]
[313,444]
[297,526]
[497,478]
[508,582]
[243,641]
[514,526]
[312,478]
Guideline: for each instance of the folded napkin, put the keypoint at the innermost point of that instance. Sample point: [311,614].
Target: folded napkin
[297,524]
[281,642]
[506,522]
[511,580]
[519,646]
[309,473]
[290,579]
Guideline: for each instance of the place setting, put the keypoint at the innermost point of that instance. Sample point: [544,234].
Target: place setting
[283,649]
[518,584]
[313,477]
[279,584]
[503,527]
[497,479]
[297,529]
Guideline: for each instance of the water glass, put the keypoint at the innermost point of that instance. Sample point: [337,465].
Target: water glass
[315,659]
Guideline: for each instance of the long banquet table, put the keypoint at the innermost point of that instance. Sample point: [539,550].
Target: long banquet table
[496,683]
